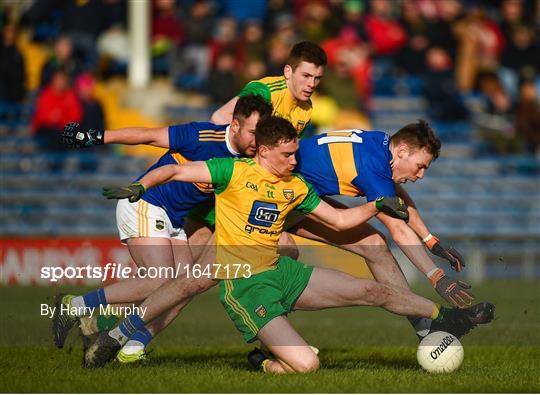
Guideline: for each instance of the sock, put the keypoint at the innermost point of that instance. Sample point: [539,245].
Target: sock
[138,341]
[94,298]
[127,328]
[106,322]
[421,325]
[443,311]
[263,365]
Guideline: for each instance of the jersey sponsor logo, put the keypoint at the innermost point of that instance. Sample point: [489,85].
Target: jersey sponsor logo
[261,311]
[252,186]
[263,231]
[270,194]
[288,194]
[263,214]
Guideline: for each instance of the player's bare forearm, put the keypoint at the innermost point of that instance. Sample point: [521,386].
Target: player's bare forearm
[224,114]
[415,220]
[189,172]
[158,137]
[343,219]
[408,242]
[161,175]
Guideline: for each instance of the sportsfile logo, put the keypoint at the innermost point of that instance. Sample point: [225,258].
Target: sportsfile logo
[442,346]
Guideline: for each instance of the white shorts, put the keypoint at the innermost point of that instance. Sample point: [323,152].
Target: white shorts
[142,219]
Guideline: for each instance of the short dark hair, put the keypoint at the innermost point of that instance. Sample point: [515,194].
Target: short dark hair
[306,51]
[247,105]
[273,130]
[418,135]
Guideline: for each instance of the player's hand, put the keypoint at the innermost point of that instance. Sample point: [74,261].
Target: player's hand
[450,254]
[73,137]
[393,206]
[132,192]
[453,291]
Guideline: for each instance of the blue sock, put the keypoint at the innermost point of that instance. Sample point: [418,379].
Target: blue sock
[95,298]
[143,336]
[130,325]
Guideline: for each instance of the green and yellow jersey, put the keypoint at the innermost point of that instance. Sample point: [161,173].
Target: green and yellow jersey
[251,206]
[274,90]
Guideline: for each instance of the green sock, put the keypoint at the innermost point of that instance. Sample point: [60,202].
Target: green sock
[443,312]
[106,322]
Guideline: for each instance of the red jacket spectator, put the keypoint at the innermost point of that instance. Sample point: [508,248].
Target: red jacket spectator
[56,105]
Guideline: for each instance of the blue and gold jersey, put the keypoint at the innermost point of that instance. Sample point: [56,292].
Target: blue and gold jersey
[196,141]
[347,162]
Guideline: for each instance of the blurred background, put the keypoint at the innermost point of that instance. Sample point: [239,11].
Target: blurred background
[469,67]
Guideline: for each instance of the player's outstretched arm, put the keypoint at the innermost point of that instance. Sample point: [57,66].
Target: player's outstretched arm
[453,291]
[339,219]
[75,137]
[189,172]
[224,114]
[432,242]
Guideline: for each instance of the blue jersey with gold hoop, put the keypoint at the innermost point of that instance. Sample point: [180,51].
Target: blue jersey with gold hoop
[190,142]
[347,162]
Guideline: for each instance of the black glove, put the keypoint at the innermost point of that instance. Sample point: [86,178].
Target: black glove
[450,254]
[72,137]
[453,291]
[393,206]
[132,192]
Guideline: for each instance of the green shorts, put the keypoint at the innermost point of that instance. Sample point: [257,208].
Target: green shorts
[253,302]
[204,212]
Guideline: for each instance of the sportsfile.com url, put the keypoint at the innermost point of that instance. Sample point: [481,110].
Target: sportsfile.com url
[120,272]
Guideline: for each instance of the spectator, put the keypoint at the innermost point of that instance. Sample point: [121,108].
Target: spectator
[520,53]
[313,21]
[56,105]
[253,70]
[12,72]
[412,57]
[222,83]
[62,58]
[348,48]
[494,118]
[480,46]
[224,39]
[445,103]
[82,22]
[441,28]
[278,53]
[191,68]
[92,112]
[167,34]
[383,30]
[528,114]
[251,46]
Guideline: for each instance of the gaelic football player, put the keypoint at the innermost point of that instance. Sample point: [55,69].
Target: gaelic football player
[249,222]
[152,227]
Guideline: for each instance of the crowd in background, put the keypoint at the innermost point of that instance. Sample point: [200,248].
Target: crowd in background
[472,60]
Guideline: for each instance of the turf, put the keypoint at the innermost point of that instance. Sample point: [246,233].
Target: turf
[362,350]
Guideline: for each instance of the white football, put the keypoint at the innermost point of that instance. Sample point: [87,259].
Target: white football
[440,352]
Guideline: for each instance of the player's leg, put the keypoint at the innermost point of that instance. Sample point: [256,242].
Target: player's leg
[291,352]
[134,349]
[146,229]
[366,241]
[329,288]
[175,292]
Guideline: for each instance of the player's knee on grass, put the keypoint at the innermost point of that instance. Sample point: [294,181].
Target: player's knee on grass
[376,294]
[306,364]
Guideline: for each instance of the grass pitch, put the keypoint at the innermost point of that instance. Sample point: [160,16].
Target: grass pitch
[362,350]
